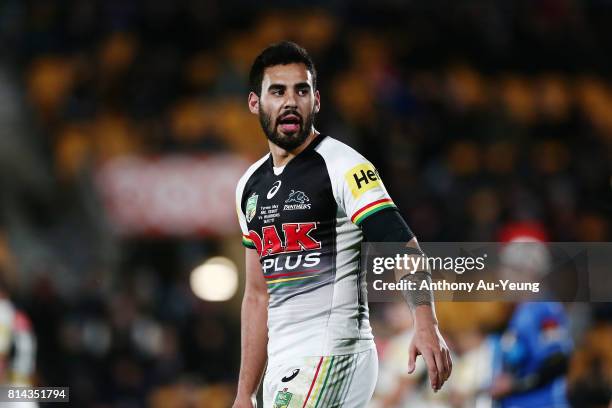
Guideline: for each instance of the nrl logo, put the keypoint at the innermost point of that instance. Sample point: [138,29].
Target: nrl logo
[251,207]
[297,200]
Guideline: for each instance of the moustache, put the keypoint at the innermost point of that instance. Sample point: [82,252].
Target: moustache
[290,117]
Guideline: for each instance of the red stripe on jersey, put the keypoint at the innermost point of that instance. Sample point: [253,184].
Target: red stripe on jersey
[280,275]
[313,382]
[373,203]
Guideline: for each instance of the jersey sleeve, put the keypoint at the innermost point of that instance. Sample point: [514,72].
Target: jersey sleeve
[361,190]
[246,240]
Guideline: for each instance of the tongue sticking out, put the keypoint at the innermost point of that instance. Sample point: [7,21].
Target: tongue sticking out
[289,127]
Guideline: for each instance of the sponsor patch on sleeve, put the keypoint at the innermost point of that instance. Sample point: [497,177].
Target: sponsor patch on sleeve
[362,178]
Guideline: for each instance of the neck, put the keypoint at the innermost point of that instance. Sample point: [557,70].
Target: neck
[281,157]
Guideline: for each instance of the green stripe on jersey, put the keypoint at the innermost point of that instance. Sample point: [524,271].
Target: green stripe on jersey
[374,210]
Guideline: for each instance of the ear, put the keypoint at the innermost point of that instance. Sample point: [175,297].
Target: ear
[254,103]
[317,104]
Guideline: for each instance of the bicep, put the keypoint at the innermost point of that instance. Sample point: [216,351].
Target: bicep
[387,226]
[255,281]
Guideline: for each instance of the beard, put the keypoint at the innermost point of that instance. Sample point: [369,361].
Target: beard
[286,141]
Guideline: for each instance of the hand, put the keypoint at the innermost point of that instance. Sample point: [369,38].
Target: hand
[428,342]
[502,385]
[245,402]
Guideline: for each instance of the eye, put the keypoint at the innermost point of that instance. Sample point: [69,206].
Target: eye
[303,92]
[276,92]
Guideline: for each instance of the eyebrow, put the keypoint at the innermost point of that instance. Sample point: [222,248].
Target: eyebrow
[299,85]
[275,87]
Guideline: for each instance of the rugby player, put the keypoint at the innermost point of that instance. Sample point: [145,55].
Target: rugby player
[304,210]
[17,346]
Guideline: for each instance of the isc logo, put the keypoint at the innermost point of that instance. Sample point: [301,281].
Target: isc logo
[296,236]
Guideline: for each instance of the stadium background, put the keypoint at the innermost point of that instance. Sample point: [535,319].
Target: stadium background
[124,127]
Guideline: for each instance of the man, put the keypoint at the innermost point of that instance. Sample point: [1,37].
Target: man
[17,346]
[534,352]
[305,208]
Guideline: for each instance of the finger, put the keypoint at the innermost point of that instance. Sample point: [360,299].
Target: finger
[449,360]
[412,355]
[432,369]
[441,366]
[447,364]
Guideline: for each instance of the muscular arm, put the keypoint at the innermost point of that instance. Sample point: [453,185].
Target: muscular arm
[254,332]
[389,226]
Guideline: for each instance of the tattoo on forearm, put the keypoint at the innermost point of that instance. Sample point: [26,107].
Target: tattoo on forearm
[418,296]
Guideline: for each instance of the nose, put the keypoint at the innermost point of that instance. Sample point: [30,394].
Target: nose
[290,100]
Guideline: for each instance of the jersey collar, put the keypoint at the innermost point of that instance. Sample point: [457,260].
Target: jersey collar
[315,142]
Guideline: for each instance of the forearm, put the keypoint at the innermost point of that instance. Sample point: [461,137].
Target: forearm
[389,226]
[420,300]
[424,315]
[254,340]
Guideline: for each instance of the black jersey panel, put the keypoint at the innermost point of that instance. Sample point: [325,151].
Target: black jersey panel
[291,218]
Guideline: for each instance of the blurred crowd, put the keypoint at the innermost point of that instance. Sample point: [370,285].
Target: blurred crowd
[477,114]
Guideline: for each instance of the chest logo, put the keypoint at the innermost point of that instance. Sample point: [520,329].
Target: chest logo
[251,207]
[296,236]
[297,200]
[291,376]
[272,192]
[297,197]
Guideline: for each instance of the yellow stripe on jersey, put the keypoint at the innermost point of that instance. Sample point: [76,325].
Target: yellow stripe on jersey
[314,397]
[290,279]
[247,242]
[367,210]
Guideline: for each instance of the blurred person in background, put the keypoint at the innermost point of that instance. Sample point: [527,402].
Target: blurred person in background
[395,388]
[469,388]
[535,352]
[537,345]
[17,346]
[322,198]
[473,350]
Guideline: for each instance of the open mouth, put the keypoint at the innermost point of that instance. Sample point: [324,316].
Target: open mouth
[290,123]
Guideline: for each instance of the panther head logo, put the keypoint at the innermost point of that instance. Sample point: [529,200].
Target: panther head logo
[297,197]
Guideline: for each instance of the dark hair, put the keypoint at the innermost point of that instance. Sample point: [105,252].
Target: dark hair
[282,53]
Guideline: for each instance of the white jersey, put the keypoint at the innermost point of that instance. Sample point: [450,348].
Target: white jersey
[17,346]
[304,224]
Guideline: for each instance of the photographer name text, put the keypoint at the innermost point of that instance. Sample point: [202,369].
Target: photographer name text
[444,285]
